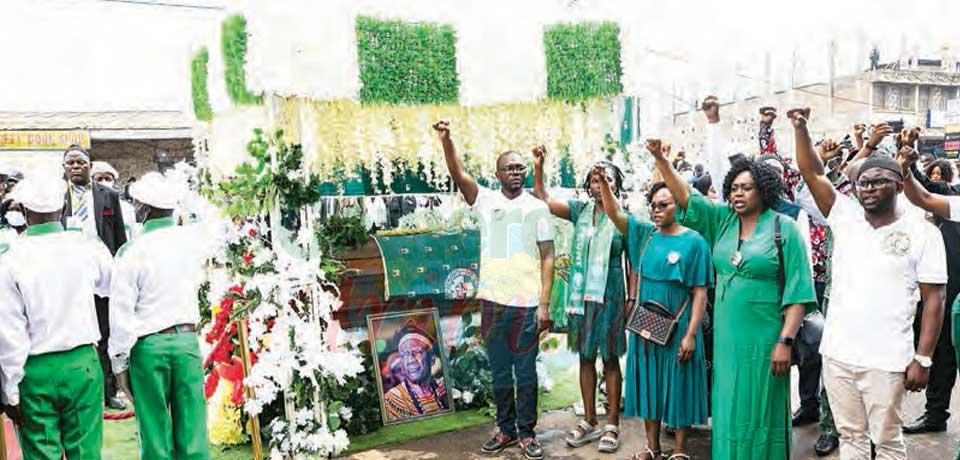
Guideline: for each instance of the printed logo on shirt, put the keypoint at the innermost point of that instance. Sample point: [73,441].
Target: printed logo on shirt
[897,243]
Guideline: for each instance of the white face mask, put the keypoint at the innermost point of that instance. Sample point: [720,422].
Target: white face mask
[16,219]
[107,183]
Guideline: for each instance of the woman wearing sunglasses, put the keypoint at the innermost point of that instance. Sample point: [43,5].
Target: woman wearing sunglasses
[666,383]
[595,298]
[764,289]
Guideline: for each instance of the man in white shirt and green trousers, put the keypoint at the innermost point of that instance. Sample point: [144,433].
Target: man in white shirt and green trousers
[153,342]
[51,375]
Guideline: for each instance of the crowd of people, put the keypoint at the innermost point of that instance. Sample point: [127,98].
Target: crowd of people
[85,312]
[758,244]
[761,253]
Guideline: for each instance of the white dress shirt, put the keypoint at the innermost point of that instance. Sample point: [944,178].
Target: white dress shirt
[47,282]
[155,283]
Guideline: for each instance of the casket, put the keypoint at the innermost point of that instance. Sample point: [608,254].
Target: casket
[364,293]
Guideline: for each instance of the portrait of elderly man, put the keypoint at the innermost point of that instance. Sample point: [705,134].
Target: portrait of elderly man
[419,393]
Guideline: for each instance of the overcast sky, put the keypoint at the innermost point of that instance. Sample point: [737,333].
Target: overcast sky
[79,55]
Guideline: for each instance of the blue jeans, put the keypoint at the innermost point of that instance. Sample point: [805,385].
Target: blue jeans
[512,343]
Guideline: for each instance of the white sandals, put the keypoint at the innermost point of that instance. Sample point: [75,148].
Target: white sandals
[654,454]
[609,445]
[585,434]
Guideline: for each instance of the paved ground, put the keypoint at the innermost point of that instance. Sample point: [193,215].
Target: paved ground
[464,445]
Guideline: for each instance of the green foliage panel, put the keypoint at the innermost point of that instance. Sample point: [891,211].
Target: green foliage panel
[234,35]
[198,80]
[406,63]
[583,60]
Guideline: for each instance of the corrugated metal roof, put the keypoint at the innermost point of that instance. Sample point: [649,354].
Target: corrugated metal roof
[127,120]
[916,77]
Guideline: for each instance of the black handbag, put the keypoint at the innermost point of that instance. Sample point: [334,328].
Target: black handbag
[651,320]
[654,322]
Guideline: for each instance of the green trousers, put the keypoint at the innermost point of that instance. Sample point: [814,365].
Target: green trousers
[61,397]
[166,377]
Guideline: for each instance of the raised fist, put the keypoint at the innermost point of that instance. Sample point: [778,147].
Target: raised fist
[600,171]
[442,128]
[799,117]
[768,114]
[879,132]
[711,108]
[828,149]
[907,156]
[908,138]
[539,155]
[859,129]
[655,147]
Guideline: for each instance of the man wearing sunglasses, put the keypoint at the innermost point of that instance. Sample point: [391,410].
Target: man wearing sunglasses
[516,275]
[882,258]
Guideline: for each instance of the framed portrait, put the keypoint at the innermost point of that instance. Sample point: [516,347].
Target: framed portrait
[410,365]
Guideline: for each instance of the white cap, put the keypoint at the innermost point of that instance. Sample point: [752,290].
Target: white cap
[155,190]
[103,167]
[40,193]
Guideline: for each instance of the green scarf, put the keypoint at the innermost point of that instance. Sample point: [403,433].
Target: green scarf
[590,256]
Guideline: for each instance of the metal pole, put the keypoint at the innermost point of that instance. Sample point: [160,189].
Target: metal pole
[831,63]
[254,420]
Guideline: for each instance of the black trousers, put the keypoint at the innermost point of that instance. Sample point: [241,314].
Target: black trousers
[810,364]
[103,321]
[512,344]
[943,373]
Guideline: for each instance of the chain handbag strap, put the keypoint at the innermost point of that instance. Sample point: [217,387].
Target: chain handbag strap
[643,250]
[649,319]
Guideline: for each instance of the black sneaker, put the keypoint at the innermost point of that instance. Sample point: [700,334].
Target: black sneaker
[924,424]
[115,404]
[826,445]
[497,443]
[804,417]
[531,449]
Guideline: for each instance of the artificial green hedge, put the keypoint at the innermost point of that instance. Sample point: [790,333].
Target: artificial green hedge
[406,63]
[234,37]
[583,60]
[198,78]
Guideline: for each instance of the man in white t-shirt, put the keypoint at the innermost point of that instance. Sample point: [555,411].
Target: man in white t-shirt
[883,263]
[516,274]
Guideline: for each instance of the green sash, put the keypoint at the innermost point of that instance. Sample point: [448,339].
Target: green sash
[590,260]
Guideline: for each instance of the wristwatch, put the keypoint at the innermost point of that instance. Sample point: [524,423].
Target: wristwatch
[788,341]
[871,147]
[924,361]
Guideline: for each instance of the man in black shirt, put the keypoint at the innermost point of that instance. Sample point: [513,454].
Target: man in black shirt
[943,374]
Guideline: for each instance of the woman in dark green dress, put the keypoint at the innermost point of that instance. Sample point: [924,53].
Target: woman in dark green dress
[755,319]
[595,299]
[666,384]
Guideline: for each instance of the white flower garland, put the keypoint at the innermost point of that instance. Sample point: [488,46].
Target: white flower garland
[295,346]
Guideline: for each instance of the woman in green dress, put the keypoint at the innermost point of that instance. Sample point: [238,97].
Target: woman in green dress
[666,384]
[754,322]
[595,299]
